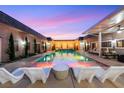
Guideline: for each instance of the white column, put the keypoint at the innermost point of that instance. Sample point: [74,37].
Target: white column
[100,44]
[81,45]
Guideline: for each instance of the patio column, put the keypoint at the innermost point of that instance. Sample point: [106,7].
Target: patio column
[100,44]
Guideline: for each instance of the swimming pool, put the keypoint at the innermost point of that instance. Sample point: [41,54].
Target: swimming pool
[69,57]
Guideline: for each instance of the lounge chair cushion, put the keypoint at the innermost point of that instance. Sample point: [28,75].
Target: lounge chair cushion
[76,71]
[18,72]
[100,72]
[47,71]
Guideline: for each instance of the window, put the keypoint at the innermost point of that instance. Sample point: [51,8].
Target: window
[120,43]
[106,44]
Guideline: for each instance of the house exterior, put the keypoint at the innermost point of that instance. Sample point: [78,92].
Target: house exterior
[9,25]
[106,35]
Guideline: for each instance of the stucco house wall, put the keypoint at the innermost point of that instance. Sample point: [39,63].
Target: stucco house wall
[20,31]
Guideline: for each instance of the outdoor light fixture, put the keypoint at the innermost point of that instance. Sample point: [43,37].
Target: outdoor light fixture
[22,42]
[120,29]
[82,43]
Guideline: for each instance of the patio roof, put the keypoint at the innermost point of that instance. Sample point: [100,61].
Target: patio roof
[91,36]
[6,19]
[106,23]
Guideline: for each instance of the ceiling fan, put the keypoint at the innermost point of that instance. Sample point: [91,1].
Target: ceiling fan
[120,29]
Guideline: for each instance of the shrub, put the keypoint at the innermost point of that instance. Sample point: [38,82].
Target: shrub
[26,47]
[11,48]
[35,46]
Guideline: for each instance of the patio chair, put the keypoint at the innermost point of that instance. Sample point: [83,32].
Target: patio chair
[111,73]
[14,77]
[35,73]
[82,73]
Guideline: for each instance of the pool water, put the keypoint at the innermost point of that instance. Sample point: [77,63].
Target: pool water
[71,54]
[46,58]
[69,57]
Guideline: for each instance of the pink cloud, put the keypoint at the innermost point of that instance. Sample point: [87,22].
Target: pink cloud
[58,20]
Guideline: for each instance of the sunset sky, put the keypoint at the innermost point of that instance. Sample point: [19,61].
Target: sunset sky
[59,22]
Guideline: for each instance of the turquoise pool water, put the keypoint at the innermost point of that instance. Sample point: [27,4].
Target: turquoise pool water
[46,58]
[68,57]
[65,55]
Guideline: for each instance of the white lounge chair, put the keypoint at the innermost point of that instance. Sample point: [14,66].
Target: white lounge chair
[14,77]
[82,73]
[111,73]
[35,74]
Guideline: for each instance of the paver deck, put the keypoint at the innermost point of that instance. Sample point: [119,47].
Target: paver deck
[109,62]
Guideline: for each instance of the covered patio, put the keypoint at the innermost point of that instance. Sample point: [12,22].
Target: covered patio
[106,37]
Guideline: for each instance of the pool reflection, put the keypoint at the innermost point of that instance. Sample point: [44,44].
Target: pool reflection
[71,65]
